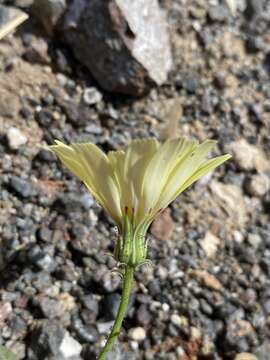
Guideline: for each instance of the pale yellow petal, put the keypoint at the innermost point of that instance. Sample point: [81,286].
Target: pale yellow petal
[207,167]
[183,170]
[116,159]
[129,167]
[68,157]
[92,166]
[232,4]
[138,155]
[160,167]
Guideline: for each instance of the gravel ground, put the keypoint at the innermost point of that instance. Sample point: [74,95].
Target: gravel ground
[207,295]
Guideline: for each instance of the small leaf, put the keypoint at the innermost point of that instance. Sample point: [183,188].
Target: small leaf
[6,354]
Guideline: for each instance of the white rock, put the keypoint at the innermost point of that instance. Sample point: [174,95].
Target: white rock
[70,347]
[179,321]
[134,345]
[137,334]
[104,327]
[258,185]
[248,156]
[165,307]
[15,138]
[91,96]
[238,237]
[210,244]
[254,240]
[180,352]
[62,79]
[196,333]
[245,356]
[231,200]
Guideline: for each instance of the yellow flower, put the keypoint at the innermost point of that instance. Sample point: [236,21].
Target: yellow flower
[133,185]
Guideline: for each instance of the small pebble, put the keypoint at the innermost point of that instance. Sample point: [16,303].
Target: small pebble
[137,334]
[91,96]
[69,347]
[15,138]
[245,356]
[22,187]
[258,185]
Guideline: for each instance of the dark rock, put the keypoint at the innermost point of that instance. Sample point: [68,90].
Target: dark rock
[154,287]
[238,335]
[44,156]
[62,61]
[46,340]
[18,326]
[110,282]
[42,280]
[90,303]
[37,52]
[49,12]
[206,103]
[218,13]
[254,44]
[80,239]
[86,333]
[205,307]
[191,84]
[256,113]
[51,341]
[90,313]
[48,99]
[143,316]
[266,306]
[258,319]
[51,308]
[22,187]
[109,306]
[25,112]
[254,9]
[112,40]
[69,203]
[44,117]
[45,234]
[41,259]
[267,62]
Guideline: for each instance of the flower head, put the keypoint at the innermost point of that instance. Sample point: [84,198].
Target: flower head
[134,184]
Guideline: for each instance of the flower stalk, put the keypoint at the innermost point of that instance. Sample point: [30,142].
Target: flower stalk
[127,288]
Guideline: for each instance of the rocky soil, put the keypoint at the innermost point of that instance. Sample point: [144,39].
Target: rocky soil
[208,294]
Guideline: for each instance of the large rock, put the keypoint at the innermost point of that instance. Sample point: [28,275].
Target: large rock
[124,43]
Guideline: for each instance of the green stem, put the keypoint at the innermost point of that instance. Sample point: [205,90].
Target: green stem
[127,287]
